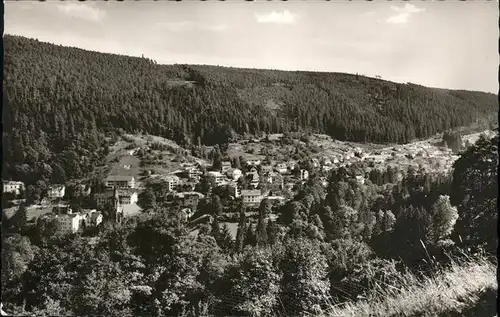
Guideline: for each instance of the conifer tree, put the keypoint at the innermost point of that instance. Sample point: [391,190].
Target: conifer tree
[241,233]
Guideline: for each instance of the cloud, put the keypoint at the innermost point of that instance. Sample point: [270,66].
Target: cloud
[176,26]
[368,14]
[81,10]
[285,17]
[179,26]
[215,28]
[404,13]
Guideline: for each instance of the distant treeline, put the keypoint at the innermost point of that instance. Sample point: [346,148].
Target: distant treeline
[60,102]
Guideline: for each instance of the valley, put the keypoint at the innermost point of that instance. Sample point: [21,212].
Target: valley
[132,188]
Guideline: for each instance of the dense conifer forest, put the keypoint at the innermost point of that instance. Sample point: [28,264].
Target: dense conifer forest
[60,103]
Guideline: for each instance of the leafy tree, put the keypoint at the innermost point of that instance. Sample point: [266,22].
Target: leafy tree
[20,219]
[51,308]
[44,230]
[147,199]
[273,233]
[443,219]
[216,206]
[475,192]
[33,194]
[343,258]
[178,288]
[203,185]
[255,284]
[103,291]
[17,253]
[305,278]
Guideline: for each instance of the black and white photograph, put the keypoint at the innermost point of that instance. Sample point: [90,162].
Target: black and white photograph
[250,158]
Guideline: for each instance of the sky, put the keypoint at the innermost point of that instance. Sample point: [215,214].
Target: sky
[448,44]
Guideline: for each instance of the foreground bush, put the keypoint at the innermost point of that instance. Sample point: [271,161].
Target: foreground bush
[464,289]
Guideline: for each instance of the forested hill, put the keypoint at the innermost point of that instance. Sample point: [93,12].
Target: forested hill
[64,100]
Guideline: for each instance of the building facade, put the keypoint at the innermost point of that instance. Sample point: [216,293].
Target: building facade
[215,178]
[56,191]
[118,181]
[251,197]
[13,187]
[226,166]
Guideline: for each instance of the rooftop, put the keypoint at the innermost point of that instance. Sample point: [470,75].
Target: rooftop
[13,183]
[191,193]
[119,178]
[124,191]
[57,186]
[247,192]
[214,173]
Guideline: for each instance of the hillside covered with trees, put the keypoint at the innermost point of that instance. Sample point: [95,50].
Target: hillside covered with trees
[59,103]
[425,245]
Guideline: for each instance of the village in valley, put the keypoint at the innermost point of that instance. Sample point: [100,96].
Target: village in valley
[334,161]
[242,174]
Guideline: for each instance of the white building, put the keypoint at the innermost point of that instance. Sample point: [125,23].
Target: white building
[216,178]
[172,182]
[266,169]
[292,165]
[253,162]
[324,182]
[127,197]
[326,168]
[269,177]
[360,179]
[315,162]
[234,173]
[225,166]
[304,174]
[253,177]
[56,191]
[189,199]
[281,168]
[251,197]
[234,190]
[70,222]
[327,161]
[74,222]
[186,214]
[13,187]
[120,181]
[192,172]
[276,199]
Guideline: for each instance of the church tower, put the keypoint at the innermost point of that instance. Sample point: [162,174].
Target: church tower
[118,209]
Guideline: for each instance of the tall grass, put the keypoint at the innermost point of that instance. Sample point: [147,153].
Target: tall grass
[466,288]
